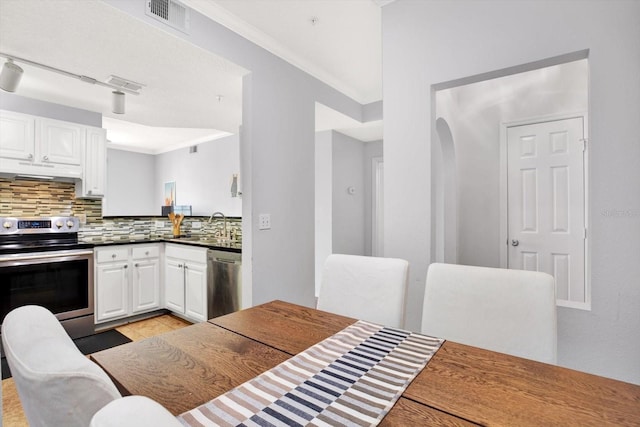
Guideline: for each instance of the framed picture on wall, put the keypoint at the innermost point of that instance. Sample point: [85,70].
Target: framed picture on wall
[170,193]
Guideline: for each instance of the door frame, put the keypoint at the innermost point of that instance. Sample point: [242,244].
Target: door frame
[377,206]
[504,225]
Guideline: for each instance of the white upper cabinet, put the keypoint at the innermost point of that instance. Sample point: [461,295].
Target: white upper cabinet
[93,184]
[39,146]
[59,142]
[17,137]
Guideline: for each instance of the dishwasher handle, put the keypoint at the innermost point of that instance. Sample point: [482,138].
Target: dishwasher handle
[226,260]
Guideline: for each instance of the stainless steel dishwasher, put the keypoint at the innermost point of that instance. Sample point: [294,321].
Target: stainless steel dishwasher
[224,282]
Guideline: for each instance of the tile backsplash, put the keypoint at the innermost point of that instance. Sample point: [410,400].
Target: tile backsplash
[31,198]
[27,198]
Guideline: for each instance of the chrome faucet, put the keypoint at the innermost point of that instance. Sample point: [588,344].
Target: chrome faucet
[224,219]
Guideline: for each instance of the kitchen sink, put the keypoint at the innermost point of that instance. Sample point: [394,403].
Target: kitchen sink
[210,240]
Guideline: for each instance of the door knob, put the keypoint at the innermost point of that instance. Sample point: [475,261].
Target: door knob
[515,243]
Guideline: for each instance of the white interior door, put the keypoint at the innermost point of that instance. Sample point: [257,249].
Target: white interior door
[546,203]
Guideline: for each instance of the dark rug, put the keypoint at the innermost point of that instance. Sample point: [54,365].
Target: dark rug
[87,345]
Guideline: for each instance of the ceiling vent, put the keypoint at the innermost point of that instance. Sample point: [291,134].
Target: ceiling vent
[171,12]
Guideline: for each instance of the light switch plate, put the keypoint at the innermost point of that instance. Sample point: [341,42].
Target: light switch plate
[264,222]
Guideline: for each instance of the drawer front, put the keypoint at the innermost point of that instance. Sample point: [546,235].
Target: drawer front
[142,252]
[112,254]
[186,253]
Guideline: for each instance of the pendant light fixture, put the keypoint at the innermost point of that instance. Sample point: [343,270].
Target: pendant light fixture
[11,75]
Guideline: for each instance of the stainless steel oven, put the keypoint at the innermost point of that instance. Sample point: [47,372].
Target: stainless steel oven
[47,267]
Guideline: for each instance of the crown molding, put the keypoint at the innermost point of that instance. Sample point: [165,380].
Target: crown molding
[225,18]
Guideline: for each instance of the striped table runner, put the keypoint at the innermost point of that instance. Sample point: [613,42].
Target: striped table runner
[351,378]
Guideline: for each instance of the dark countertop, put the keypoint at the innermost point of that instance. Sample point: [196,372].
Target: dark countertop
[191,241]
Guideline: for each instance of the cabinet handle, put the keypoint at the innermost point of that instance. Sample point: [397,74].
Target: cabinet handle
[126,266]
[179,265]
[30,157]
[113,256]
[146,253]
[136,265]
[45,158]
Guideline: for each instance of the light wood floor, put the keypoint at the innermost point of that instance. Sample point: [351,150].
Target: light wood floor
[12,414]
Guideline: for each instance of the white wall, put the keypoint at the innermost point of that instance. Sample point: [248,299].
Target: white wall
[430,42]
[348,209]
[131,181]
[36,107]
[343,221]
[135,181]
[474,113]
[203,179]
[277,164]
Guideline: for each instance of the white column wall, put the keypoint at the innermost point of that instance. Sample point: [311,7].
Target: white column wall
[430,42]
[323,202]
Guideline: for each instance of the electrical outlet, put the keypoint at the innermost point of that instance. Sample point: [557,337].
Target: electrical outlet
[159,224]
[264,221]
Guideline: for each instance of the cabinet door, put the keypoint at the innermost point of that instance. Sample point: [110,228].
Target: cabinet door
[195,285]
[174,285]
[16,136]
[95,166]
[146,286]
[59,142]
[112,291]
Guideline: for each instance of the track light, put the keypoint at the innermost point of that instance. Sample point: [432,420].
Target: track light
[117,102]
[10,76]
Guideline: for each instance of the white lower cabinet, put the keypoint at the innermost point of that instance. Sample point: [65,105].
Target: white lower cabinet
[145,288]
[127,281]
[112,290]
[186,281]
[174,284]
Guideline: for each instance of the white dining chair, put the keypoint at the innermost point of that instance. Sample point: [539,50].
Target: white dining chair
[134,411]
[56,383]
[509,311]
[366,288]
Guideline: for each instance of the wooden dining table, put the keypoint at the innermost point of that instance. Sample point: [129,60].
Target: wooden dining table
[461,385]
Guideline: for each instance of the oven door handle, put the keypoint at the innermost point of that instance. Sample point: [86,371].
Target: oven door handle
[53,254]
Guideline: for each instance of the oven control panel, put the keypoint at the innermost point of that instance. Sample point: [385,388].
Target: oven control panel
[55,224]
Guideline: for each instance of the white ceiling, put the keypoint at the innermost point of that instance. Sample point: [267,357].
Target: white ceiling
[177,107]
[343,48]
[154,139]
